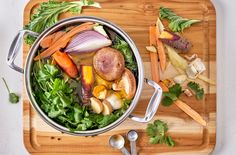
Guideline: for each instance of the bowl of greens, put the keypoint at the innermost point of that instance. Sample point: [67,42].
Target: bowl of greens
[84,76]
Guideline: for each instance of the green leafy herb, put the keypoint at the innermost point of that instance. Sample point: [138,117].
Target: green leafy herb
[124,48]
[48,13]
[13,98]
[199,92]
[177,23]
[59,100]
[172,95]
[157,133]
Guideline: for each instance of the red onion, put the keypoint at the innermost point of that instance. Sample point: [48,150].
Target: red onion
[87,41]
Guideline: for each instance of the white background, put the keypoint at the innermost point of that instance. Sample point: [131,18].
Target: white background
[11,135]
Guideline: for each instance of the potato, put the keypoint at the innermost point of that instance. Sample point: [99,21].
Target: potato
[96,105]
[107,108]
[115,101]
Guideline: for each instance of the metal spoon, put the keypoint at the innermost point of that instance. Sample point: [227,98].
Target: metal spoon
[118,142]
[133,136]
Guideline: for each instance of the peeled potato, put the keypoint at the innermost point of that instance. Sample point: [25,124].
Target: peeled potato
[96,105]
[115,101]
[107,108]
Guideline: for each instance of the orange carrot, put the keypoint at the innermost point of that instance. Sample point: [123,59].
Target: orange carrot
[64,61]
[163,86]
[47,41]
[62,42]
[161,50]
[57,36]
[154,56]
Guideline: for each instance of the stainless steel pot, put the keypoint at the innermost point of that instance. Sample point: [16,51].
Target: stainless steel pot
[15,49]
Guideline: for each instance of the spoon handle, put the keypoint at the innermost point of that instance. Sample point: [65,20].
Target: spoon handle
[133,148]
[124,151]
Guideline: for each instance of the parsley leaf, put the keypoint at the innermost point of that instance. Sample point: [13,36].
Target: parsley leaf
[13,98]
[177,23]
[172,95]
[156,132]
[199,92]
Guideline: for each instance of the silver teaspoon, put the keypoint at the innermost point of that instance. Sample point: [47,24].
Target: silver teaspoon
[118,142]
[133,136]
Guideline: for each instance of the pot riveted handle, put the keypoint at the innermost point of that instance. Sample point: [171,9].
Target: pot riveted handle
[152,105]
[15,49]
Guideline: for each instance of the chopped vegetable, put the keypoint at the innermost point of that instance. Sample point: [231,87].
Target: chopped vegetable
[101,30]
[199,92]
[177,23]
[176,60]
[195,68]
[100,92]
[13,98]
[125,50]
[151,49]
[154,55]
[172,95]
[115,101]
[62,42]
[160,47]
[175,41]
[192,113]
[101,81]
[96,105]
[157,133]
[107,108]
[47,14]
[64,61]
[87,81]
[87,41]
[180,78]
[188,93]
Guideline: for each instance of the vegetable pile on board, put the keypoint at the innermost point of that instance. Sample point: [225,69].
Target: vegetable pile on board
[166,45]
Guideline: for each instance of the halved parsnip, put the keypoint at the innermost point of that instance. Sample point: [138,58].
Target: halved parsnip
[96,105]
[115,101]
[107,109]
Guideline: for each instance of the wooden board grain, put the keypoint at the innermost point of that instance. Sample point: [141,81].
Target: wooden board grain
[135,17]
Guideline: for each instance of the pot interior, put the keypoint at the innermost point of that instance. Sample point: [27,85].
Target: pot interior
[113,30]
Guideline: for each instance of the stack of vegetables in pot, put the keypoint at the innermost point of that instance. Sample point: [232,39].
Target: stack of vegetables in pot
[82,78]
[169,45]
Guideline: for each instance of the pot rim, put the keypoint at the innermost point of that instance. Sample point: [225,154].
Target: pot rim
[71,21]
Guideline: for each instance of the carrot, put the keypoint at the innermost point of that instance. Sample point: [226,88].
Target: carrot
[161,50]
[192,113]
[64,61]
[57,36]
[154,56]
[62,42]
[185,108]
[47,41]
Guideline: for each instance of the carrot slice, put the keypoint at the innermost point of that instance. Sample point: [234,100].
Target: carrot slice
[154,56]
[62,42]
[64,61]
[161,50]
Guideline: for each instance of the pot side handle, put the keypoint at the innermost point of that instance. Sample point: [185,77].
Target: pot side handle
[16,47]
[152,105]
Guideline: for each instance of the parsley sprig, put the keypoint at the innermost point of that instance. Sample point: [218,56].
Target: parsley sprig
[172,95]
[199,92]
[13,98]
[157,133]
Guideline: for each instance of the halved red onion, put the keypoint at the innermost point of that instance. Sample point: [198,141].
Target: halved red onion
[87,41]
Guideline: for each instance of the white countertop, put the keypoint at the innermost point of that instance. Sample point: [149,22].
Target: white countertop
[11,135]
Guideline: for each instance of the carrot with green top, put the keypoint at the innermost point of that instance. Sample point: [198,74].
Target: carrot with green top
[64,61]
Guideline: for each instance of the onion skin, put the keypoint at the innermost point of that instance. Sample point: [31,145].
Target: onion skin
[87,41]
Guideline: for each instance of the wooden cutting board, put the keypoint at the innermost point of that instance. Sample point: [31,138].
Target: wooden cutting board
[135,16]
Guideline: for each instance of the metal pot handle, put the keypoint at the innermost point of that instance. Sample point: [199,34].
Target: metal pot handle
[153,103]
[15,49]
